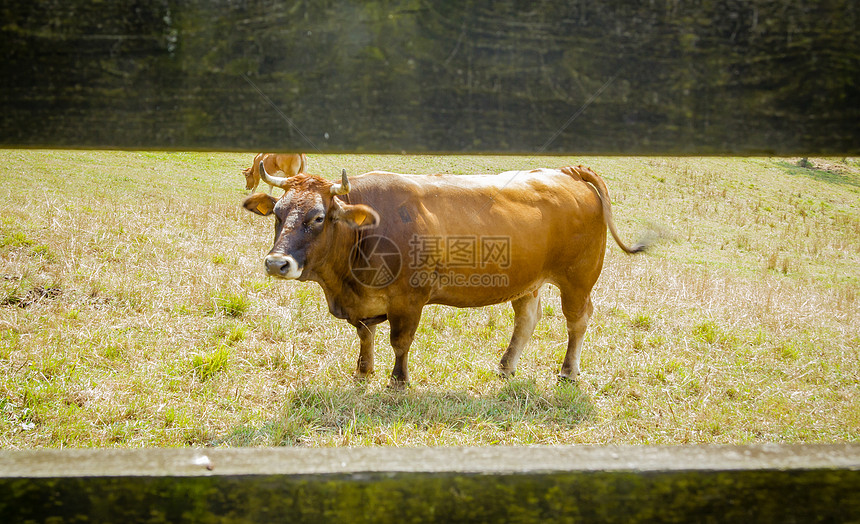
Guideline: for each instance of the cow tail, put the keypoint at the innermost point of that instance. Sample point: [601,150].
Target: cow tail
[594,179]
[304,164]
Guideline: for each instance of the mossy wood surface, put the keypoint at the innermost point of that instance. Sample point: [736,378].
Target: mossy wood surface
[765,483]
[613,77]
[691,496]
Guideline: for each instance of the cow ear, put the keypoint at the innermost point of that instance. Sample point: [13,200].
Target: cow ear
[260,203]
[357,216]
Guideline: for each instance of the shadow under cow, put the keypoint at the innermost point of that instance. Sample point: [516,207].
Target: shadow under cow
[315,415]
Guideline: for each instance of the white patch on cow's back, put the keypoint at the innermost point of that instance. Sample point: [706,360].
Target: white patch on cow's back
[541,171]
[522,180]
[506,179]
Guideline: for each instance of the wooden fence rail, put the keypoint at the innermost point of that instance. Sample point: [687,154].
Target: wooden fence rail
[761,483]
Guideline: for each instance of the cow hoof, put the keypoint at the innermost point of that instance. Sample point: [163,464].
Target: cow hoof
[361,377]
[566,379]
[397,385]
[506,374]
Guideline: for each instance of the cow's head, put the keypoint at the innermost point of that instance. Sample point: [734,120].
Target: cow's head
[310,222]
[249,178]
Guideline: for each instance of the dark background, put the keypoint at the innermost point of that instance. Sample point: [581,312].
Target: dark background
[609,77]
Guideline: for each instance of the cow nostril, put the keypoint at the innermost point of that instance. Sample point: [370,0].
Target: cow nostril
[281,266]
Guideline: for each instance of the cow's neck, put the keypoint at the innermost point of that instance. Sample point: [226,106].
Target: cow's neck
[343,293]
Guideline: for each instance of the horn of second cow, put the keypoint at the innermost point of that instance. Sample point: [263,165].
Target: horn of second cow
[342,188]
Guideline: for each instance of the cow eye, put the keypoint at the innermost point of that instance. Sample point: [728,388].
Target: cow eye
[319,220]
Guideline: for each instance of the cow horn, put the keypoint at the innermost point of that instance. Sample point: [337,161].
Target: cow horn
[342,188]
[277,181]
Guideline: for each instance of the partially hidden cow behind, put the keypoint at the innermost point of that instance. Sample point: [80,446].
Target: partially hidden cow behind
[281,165]
[462,241]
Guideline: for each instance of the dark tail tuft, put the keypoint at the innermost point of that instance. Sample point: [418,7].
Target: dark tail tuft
[652,235]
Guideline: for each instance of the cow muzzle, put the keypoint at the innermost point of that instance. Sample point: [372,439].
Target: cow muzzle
[282,266]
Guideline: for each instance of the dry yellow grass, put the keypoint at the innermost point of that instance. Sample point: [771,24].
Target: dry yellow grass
[135,313]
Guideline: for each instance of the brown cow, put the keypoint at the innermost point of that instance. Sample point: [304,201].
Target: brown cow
[277,164]
[394,243]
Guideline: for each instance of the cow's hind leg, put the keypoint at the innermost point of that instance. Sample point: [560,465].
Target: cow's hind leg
[577,309]
[526,316]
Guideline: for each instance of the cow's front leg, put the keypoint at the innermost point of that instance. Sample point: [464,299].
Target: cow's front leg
[366,334]
[403,327]
[366,330]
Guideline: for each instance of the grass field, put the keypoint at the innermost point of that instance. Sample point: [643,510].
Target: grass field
[134,312]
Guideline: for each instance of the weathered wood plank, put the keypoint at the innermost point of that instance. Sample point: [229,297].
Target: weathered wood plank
[613,77]
[764,483]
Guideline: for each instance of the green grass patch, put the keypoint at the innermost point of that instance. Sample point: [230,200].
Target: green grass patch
[16,239]
[707,332]
[206,365]
[789,350]
[231,304]
[642,321]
